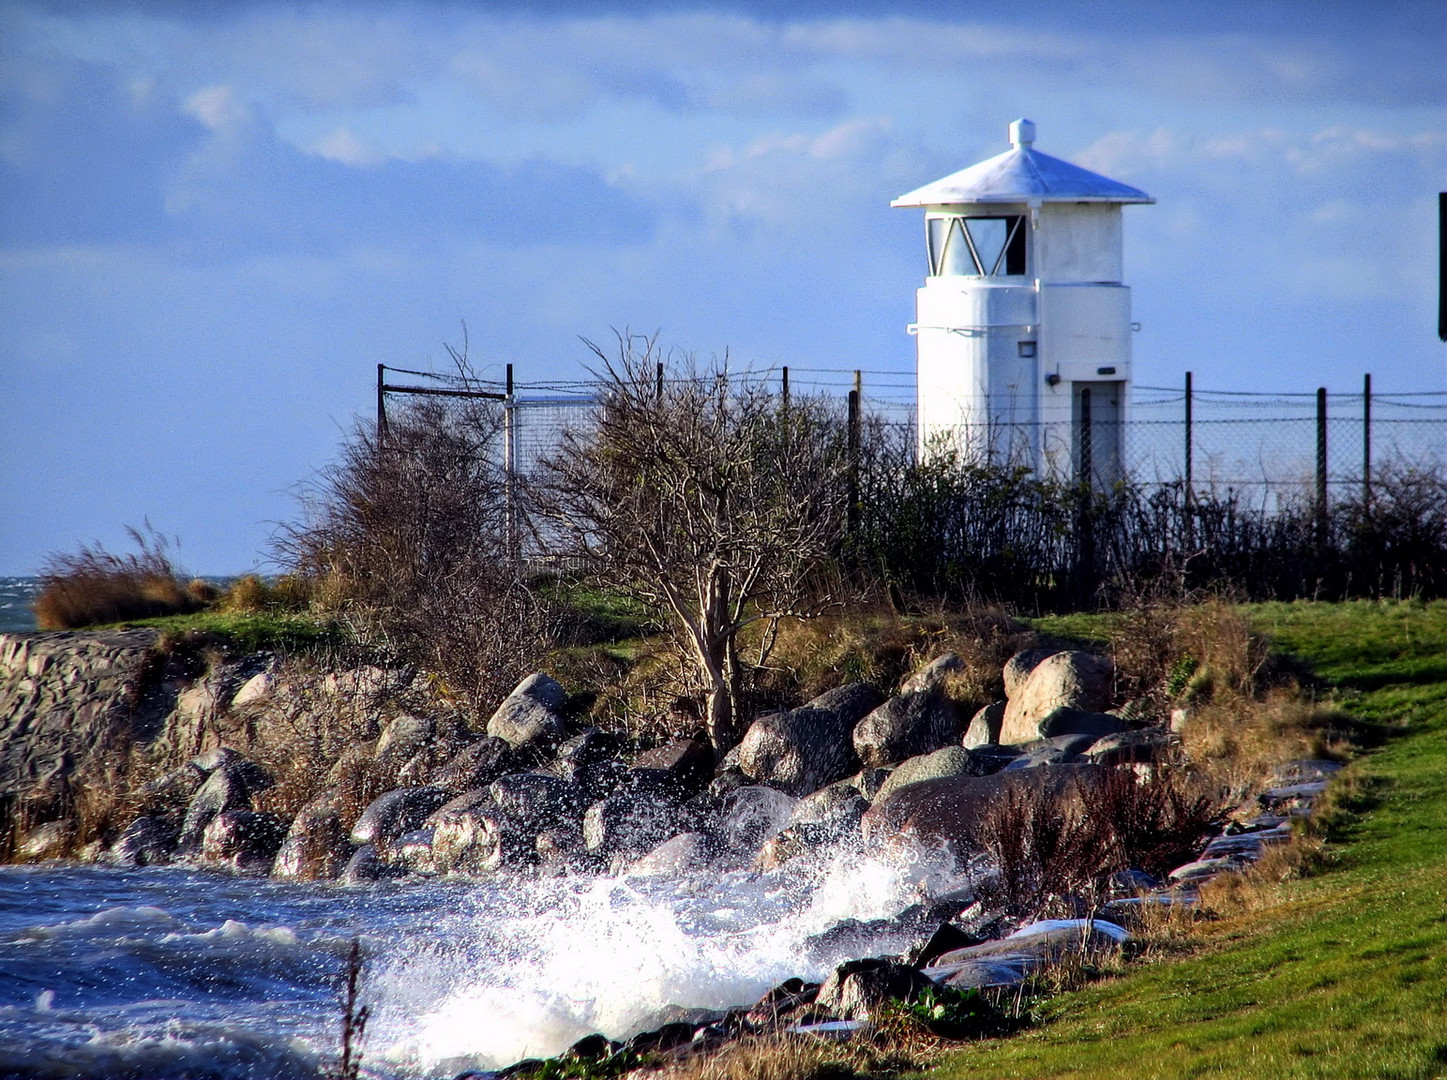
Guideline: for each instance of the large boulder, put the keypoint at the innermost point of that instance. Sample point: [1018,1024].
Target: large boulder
[1071,680]
[683,854]
[951,761]
[1067,721]
[906,726]
[229,787]
[147,841]
[316,847]
[953,810]
[530,713]
[243,838]
[933,675]
[851,702]
[628,823]
[681,768]
[471,835]
[1031,949]
[984,726]
[1018,668]
[536,801]
[395,813]
[752,815]
[475,765]
[859,987]
[799,751]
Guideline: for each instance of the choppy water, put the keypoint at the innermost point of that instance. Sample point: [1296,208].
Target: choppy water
[15,596]
[167,972]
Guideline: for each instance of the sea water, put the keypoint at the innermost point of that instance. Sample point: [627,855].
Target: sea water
[169,972]
[16,593]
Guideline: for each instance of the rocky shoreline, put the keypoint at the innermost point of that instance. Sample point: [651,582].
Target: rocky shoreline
[356,774]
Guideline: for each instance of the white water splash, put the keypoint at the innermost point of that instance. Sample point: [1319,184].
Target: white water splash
[538,964]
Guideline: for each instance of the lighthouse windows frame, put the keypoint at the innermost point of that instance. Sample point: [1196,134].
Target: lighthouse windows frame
[984,246]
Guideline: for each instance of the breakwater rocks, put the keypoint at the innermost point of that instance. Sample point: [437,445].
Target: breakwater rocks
[360,773]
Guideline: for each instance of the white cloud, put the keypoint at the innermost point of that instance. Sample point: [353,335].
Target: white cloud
[219,108]
[345,146]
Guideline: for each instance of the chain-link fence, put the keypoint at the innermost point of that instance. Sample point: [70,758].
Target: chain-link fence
[1269,448]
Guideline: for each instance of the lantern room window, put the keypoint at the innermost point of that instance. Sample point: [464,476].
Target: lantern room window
[976,246]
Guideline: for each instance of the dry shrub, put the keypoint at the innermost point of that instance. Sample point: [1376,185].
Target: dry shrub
[1261,885]
[93,586]
[875,644]
[251,594]
[893,1048]
[1051,850]
[406,539]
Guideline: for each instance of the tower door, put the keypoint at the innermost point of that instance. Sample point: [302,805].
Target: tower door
[1098,432]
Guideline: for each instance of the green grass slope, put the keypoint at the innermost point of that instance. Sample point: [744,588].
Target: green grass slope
[1345,976]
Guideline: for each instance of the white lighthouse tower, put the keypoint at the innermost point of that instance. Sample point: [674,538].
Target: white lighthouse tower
[1024,326]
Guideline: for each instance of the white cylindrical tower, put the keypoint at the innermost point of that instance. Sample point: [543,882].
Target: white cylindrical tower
[1023,331]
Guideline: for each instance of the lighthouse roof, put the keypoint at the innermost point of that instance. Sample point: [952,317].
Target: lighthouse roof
[1022,174]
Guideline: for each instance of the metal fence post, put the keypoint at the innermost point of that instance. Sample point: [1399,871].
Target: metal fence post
[1188,493]
[509,468]
[381,403]
[785,386]
[1321,465]
[854,442]
[1367,442]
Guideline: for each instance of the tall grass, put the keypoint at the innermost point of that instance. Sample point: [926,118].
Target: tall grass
[93,586]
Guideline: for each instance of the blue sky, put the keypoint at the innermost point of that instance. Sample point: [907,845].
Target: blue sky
[217,218]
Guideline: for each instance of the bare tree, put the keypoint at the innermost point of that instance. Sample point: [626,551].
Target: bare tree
[706,495]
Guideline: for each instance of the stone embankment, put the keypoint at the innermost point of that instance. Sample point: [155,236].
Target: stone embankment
[358,774]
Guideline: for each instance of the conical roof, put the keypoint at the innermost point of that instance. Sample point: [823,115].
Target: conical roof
[1022,174]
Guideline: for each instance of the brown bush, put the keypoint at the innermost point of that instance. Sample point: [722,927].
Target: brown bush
[91,586]
[1050,850]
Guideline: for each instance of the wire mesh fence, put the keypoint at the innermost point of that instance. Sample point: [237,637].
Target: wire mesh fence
[1270,449]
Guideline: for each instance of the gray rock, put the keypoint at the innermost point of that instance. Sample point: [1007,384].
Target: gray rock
[243,838]
[803,838]
[682,768]
[951,761]
[404,736]
[1030,950]
[543,689]
[798,751]
[50,840]
[753,815]
[1058,750]
[1074,680]
[254,691]
[413,851]
[851,702]
[827,803]
[1067,721]
[868,782]
[536,801]
[395,813]
[229,787]
[366,865]
[984,728]
[478,838]
[906,726]
[316,847]
[1130,747]
[683,854]
[857,988]
[560,851]
[147,841]
[475,765]
[1018,668]
[933,675]
[523,720]
[628,823]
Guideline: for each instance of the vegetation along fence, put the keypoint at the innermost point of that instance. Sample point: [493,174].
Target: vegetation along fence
[1315,493]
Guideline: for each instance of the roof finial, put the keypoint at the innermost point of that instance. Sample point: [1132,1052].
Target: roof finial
[1022,134]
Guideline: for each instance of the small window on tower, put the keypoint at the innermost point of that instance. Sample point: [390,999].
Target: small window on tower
[976,246]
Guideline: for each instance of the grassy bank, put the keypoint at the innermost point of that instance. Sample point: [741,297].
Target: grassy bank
[1340,974]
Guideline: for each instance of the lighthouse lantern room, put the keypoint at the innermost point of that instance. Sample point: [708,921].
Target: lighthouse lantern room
[1023,331]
